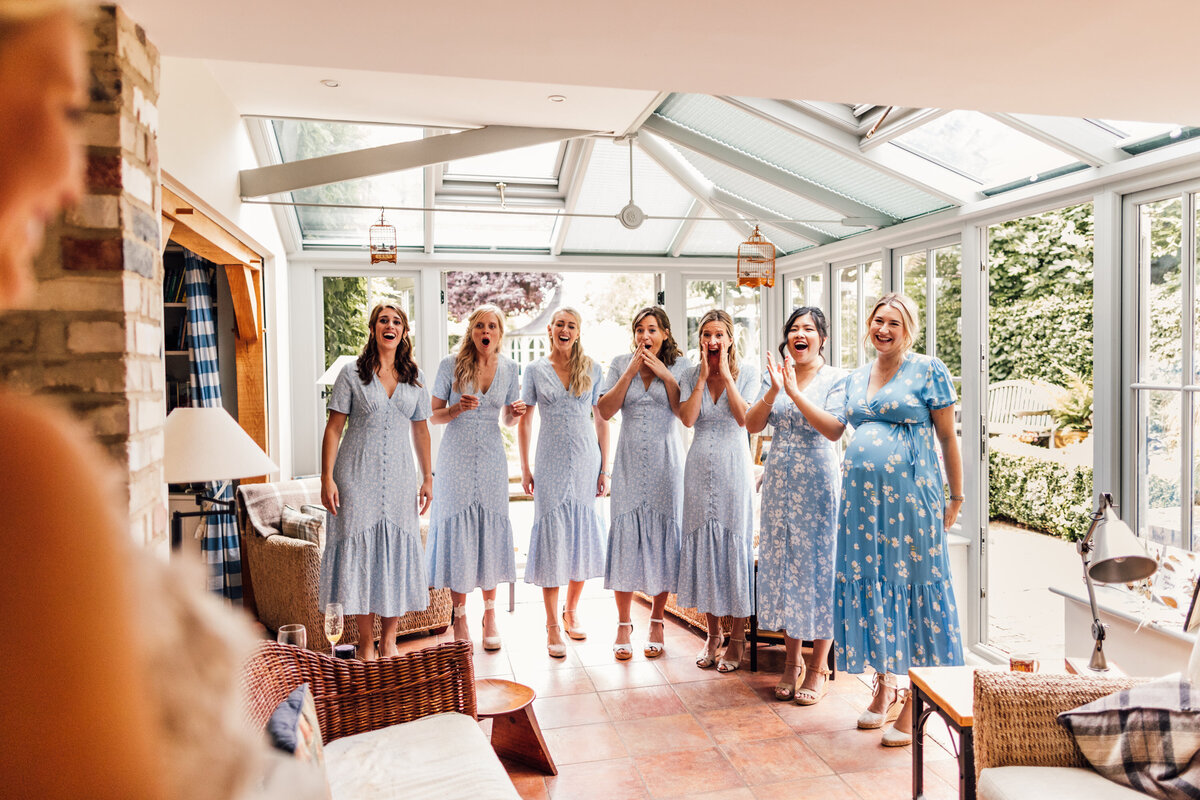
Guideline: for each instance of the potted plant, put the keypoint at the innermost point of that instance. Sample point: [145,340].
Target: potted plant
[1072,412]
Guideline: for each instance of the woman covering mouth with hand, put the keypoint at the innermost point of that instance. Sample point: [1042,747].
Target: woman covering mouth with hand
[798,537]
[715,559]
[647,487]
[470,535]
[566,545]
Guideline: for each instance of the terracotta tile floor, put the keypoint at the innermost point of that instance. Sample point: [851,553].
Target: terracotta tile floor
[664,728]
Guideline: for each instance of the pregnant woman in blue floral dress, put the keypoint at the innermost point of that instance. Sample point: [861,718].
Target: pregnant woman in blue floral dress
[470,536]
[373,563]
[566,544]
[647,487]
[716,555]
[895,605]
[798,536]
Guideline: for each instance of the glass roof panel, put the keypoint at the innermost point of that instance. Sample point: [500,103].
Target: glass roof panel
[712,238]
[981,148]
[311,138]
[1141,130]
[525,164]
[499,230]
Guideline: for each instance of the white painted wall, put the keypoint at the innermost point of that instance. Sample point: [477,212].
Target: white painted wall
[202,143]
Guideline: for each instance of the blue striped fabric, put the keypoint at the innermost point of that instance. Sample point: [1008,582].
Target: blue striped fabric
[220,545]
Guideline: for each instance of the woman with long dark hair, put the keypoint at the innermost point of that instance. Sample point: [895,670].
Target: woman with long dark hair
[470,535]
[373,561]
[716,558]
[647,487]
[566,544]
[798,532]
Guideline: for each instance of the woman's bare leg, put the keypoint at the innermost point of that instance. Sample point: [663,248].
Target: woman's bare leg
[366,636]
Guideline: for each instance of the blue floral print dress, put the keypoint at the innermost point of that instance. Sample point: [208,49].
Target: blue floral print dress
[895,606]
[716,558]
[647,486]
[373,563]
[798,533]
[567,540]
[470,536]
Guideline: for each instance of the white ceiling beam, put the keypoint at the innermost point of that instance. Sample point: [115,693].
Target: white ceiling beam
[1072,135]
[685,229]
[901,126]
[280,178]
[433,179]
[575,186]
[780,178]
[829,113]
[769,216]
[698,186]
[919,173]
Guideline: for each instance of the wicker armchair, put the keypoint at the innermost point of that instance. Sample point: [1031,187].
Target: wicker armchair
[358,696]
[281,575]
[1015,717]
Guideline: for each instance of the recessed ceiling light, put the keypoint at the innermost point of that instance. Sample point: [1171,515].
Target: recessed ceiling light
[331,83]
[556,98]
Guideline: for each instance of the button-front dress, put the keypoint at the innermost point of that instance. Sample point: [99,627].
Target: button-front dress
[470,536]
[895,606]
[798,529]
[716,557]
[373,562]
[647,486]
[567,540]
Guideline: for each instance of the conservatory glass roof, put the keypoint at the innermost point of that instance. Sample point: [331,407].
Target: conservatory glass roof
[705,171]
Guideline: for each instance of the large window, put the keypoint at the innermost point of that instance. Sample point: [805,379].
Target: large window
[856,287]
[1166,372]
[742,304]
[348,302]
[933,279]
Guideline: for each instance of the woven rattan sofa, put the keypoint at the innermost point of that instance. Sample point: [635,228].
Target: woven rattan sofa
[392,728]
[280,575]
[1021,750]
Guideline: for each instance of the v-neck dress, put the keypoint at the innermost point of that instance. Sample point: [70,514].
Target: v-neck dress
[647,486]
[566,542]
[798,530]
[470,536]
[895,606]
[716,556]
[373,562]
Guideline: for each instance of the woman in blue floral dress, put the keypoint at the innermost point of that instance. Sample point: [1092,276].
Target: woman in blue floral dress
[647,486]
[470,536]
[566,544]
[373,563]
[895,605]
[798,532]
[716,556]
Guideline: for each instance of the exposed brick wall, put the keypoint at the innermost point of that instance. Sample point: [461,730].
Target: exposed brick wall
[92,335]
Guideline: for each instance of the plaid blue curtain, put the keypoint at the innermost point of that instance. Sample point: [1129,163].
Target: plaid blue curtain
[220,545]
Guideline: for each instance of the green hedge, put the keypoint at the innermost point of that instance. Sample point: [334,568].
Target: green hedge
[1043,495]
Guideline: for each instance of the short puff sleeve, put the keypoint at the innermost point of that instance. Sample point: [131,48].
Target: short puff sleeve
[613,375]
[444,380]
[514,384]
[746,384]
[938,391]
[422,409]
[836,400]
[686,378]
[341,399]
[597,377]
[529,391]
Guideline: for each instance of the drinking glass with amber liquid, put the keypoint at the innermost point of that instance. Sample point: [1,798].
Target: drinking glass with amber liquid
[333,625]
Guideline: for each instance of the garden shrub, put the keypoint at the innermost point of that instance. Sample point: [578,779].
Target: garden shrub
[1041,338]
[1048,496]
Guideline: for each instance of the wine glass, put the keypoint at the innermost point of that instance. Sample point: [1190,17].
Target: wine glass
[333,625]
[294,635]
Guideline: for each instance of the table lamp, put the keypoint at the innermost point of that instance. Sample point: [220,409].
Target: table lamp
[203,445]
[1120,558]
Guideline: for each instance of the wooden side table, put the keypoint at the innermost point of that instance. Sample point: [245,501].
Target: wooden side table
[950,691]
[515,730]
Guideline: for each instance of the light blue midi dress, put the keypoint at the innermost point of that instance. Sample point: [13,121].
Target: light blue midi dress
[894,604]
[470,536]
[798,525]
[373,563]
[647,486]
[566,542]
[716,558]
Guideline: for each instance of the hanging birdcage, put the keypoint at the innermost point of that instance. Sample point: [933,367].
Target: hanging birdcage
[756,261]
[383,241]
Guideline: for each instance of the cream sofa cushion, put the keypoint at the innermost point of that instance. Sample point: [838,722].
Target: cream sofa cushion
[439,756]
[1056,783]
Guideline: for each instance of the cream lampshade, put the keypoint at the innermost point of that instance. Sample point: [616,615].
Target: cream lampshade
[206,444]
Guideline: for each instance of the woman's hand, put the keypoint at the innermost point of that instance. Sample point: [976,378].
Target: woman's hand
[527,482]
[425,495]
[602,485]
[775,373]
[466,403]
[789,377]
[952,509]
[635,363]
[517,409]
[702,375]
[656,366]
[329,496]
[723,362]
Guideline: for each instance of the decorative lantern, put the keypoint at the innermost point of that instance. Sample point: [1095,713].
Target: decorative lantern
[756,261]
[383,242]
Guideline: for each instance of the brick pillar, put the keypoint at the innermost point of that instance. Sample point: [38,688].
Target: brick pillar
[92,335]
